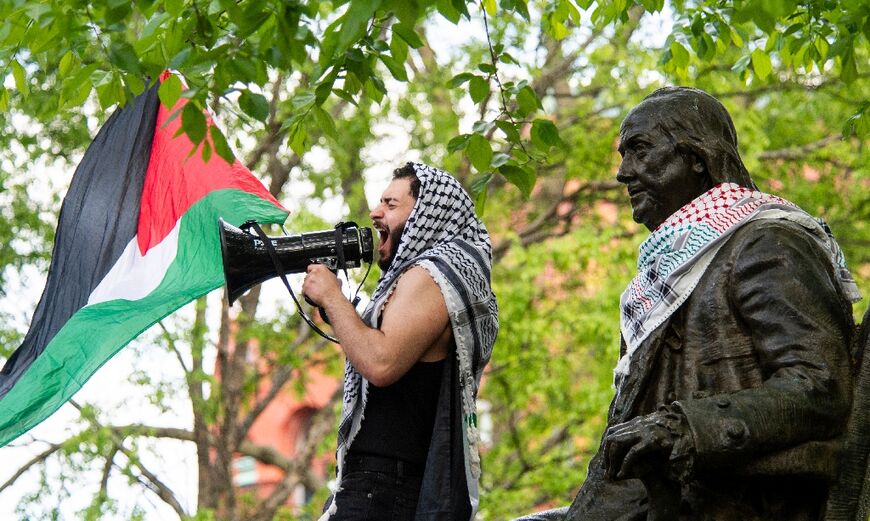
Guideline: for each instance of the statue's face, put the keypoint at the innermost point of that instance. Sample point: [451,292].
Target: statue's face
[660,179]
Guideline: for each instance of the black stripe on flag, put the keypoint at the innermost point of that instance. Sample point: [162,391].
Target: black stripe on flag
[98,218]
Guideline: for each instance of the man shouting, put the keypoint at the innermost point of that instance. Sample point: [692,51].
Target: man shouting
[408,439]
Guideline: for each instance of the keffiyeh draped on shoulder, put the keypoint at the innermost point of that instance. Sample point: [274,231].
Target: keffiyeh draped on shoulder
[677,253]
[445,237]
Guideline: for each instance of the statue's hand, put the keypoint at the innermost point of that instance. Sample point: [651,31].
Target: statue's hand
[643,444]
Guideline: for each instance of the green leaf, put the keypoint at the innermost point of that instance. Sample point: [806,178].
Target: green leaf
[399,49]
[848,68]
[774,43]
[206,152]
[110,91]
[81,91]
[522,7]
[545,134]
[510,130]
[522,178]
[680,55]
[324,88]
[220,144]
[303,100]
[709,47]
[479,152]
[459,79]
[458,143]
[736,38]
[4,98]
[20,78]
[490,7]
[507,58]
[408,34]
[396,69]
[181,58]
[325,122]
[482,127]
[486,67]
[374,89]
[67,62]
[478,88]
[653,6]
[840,47]
[479,192]
[379,46]
[193,122]
[346,96]
[135,84]
[697,26]
[480,183]
[297,137]
[252,18]
[499,159]
[407,12]
[254,105]
[528,101]
[354,21]
[124,56]
[462,7]
[742,63]
[445,7]
[559,31]
[169,91]
[761,63]
[173,7]
[822,46]
[858,123]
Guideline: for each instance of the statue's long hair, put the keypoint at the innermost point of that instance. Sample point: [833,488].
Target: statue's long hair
[696,122]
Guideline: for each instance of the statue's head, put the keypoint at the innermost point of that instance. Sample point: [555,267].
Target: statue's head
[676,144]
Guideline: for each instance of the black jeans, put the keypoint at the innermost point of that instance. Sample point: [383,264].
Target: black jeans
[367,495]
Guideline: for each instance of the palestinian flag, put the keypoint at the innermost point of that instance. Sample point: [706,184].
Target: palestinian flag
[137,239]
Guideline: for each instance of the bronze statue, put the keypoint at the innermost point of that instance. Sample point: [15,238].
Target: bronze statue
[735,379]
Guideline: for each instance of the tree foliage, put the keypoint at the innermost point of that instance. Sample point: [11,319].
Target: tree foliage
[521,100]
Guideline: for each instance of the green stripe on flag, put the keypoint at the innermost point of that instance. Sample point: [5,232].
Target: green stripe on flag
[95,333]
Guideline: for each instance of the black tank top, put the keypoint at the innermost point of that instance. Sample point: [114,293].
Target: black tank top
[399,418]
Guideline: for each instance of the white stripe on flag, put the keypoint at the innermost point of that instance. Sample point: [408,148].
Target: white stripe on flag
[135,276]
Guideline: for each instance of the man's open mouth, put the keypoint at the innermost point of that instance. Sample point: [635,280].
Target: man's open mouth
[383,233]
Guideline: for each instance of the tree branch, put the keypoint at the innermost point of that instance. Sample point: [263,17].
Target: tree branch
[157,486]
[169,340]
[107,471]
[542,227]
[39,458]
[154,483]
[198,402]
[277,381]
[799,152]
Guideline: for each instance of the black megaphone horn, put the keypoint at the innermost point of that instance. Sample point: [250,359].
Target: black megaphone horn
[248,261]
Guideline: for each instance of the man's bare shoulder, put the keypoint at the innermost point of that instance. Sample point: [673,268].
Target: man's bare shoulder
[418,277]
[417,287]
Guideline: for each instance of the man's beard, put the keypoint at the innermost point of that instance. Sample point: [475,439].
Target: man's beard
[395,238]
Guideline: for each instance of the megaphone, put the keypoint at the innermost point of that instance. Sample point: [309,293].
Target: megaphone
[248,261]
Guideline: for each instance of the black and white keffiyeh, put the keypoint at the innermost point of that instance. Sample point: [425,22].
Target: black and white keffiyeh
[444,236]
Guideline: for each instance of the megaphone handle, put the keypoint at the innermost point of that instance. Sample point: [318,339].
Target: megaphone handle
[320,309]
